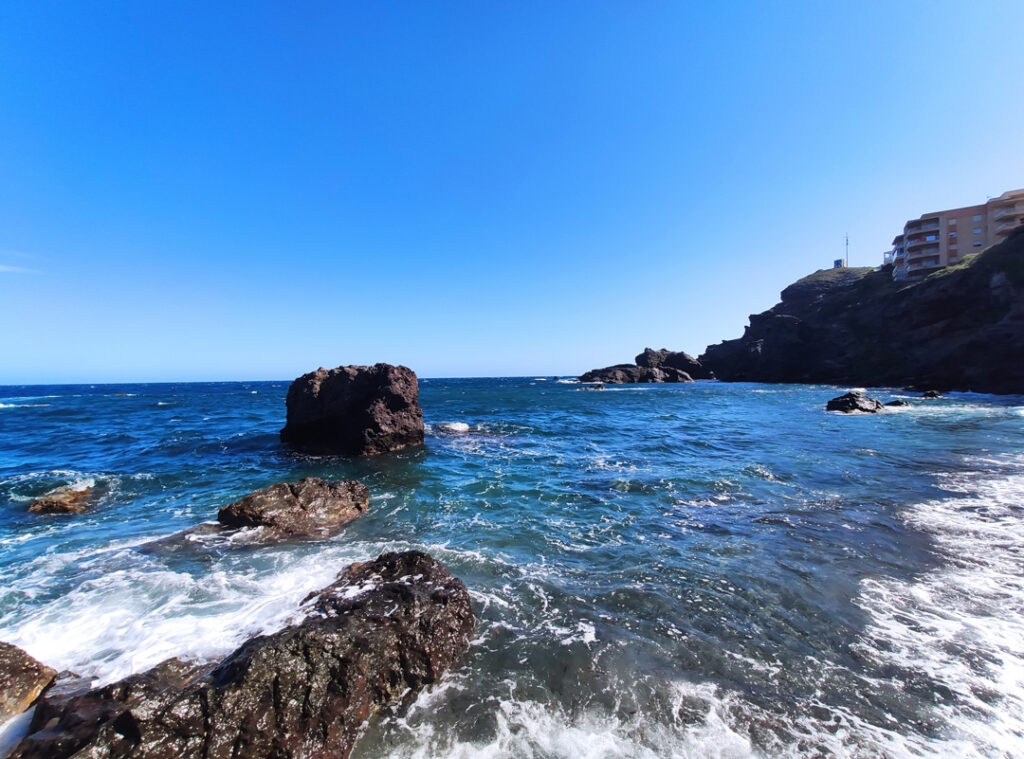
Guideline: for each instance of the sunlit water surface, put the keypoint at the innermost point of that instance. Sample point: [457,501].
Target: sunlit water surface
[704,570]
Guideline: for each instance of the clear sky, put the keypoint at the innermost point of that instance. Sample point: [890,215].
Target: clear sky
[204,191]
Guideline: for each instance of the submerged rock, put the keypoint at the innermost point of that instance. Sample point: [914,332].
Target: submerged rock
[354,411]
[898,402]
[854,402]
[305,508]
[931,394]
[22,680]
[62,501]
[375,637]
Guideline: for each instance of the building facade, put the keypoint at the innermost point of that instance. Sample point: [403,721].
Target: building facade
[936,240]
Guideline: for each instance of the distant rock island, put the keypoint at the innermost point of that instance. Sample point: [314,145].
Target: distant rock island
[960,328]
[651,366]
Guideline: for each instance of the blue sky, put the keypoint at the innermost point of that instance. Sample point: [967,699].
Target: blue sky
[204,191]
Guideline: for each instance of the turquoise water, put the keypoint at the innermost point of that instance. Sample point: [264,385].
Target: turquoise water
[704,570]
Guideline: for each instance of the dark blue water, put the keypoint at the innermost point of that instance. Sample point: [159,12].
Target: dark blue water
[705,570]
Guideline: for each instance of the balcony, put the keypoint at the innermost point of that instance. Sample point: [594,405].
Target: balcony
[1009,213]
[925,225]
[917,242]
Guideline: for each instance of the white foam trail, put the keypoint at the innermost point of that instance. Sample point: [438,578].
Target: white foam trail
[962,625]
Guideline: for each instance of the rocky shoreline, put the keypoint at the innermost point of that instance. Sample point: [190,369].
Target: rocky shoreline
[374,638]
[961,328]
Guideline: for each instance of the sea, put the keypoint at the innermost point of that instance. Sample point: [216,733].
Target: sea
[699,570]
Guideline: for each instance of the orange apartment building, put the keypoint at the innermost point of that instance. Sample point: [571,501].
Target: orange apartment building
[936,240]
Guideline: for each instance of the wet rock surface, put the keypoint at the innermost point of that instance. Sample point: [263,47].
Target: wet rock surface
[310,507]
[22,680]
[375,637]
[354,411]
[62,501]
[666,359]
[854,402]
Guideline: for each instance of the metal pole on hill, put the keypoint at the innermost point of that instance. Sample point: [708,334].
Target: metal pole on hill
[846,257]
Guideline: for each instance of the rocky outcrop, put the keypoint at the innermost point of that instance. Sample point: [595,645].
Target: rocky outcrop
[664,358]
[961,328]
[22,680]
[310,507]
[354,411]
[621,374]
[62,501]
[375,637]
[854,403]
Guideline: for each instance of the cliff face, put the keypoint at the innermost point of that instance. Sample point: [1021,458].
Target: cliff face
[959,329]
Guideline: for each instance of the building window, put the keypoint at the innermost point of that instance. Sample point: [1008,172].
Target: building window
[977,230]
[977,243]
[952,222]
[953,247]
[952,235]
[977,217]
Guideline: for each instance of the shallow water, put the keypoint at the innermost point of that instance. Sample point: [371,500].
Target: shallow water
[705,570]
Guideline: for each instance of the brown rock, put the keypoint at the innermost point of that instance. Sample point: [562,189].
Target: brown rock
[375,637]
[22,679]
[308,507]
[61,501]
[354,411]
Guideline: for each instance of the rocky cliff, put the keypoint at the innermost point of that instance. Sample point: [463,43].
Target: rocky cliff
[961,328]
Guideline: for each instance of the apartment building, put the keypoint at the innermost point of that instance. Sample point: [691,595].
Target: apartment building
[936,240]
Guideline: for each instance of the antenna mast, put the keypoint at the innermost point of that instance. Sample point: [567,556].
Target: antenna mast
[846,258]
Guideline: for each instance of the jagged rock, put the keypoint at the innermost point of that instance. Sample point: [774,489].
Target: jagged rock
[375,637]
[959,329]
[62,501]
[309,507]
[898,402]
[664,358]
[854,402]
[354,411]
[22,680]
[931,394]
[628,373]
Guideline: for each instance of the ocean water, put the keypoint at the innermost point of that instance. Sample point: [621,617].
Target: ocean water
[703,570]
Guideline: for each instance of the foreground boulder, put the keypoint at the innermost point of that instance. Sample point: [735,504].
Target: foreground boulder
[22,680]
[354,411]
[375,637]
[854,402]
[62,501]
[308,508]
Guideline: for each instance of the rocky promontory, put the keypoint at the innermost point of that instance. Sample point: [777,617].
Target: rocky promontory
[375,637]
[651,366]
[960,328]
[354,411]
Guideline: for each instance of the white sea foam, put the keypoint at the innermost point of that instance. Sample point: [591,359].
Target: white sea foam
[450,428]
[962,625]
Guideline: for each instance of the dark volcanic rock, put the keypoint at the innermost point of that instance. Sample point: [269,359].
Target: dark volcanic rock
[897,402]
[22,679]
[664,358]
[854,402]
[621,374]
[375,637]
[931,394]
[961,328]
[354,410]
[308,507]
[61,501]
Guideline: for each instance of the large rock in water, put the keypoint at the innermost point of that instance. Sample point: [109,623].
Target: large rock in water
[307,508]
[961,328]
[621,374]
[354,410]
[375,637]
[22,679]
[62,501]
[854,402]
[666,359]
